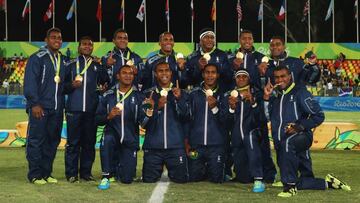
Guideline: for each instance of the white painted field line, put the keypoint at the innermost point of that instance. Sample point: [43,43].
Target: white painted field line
[159,191]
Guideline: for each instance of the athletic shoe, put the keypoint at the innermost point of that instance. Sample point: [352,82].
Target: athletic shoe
[277,184]
[104,184]
[73,179]
[51,179]
[288,192]
[88,178]
[38,181]
[259,186]
[336,183]
[228,178]
[112,179]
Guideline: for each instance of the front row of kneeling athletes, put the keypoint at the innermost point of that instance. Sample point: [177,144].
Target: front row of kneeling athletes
[203,117]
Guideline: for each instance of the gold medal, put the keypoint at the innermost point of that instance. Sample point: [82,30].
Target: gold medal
[120,106]
[79,78]
[209,93]
[234,93]
[57,79]
[163,93]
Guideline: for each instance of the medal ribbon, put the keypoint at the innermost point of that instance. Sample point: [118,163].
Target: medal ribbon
[87,65]
[127,94]
[56,63]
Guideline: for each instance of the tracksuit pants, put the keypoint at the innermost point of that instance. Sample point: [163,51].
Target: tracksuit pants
[42,140]
[209,163]
[80,145]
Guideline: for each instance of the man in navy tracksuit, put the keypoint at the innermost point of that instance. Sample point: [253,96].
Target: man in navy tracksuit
[120,111]
[206,138]
[302,74]
[83,77]
[246,57]
[164,138]
[166,52]
[293,113]
[240,112]
[43,90]
[208,53]
[122,55]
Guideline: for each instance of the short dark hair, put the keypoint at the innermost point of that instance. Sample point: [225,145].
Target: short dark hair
[245,32]
[279,38]
[164,33]
[282,67]
[85,38]
[51,30]
[162,62]
[117,31]
[121,67]
[211,64]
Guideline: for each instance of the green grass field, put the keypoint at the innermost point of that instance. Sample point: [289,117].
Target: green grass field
[15,188]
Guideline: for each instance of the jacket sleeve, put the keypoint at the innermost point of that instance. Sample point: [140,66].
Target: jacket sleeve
[310,106]
[32,79]
[227,117]
[68,80]
[101,112]
[103,76]
[183,106]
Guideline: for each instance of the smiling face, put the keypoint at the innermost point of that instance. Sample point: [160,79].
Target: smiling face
[126,76]
[246,41]
[282,78]
[163,74]
[210,76]
[207,42]
[86,47]
[121,40]
[277,47]
[54,41]
[166,43]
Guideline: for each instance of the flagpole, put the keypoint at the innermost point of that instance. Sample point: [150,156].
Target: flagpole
[123,21]
[145,21]
[309,26]
[262,22]
[100,22]
[76,37]
[215,18]
[168,17]
[357,22]
[238,21]
[285,7]
[192,21]
[333,22]
[29,20]
[6,22]
[53,3]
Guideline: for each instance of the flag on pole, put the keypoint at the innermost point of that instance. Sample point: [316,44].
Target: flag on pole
[167,10]
[305,10]
[2,5]
[239,11]
[330,10]
[213,11]
[355,9]
[71,10]
[261,12]
[282,11]
[99,12]
[121,15]
[192,9]
[26,9]
[141,12]
[49,11]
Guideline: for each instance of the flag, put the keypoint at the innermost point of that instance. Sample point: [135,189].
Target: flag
[192,9]
[167,10]
[239,11]
[71,10]
[49,12]
[261,12]
[282,11]
[213,11]
[356,9]
[330,10]
[2,5]
[26,9]
[98,12]
[141,12]
[121,15]
[305,10]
